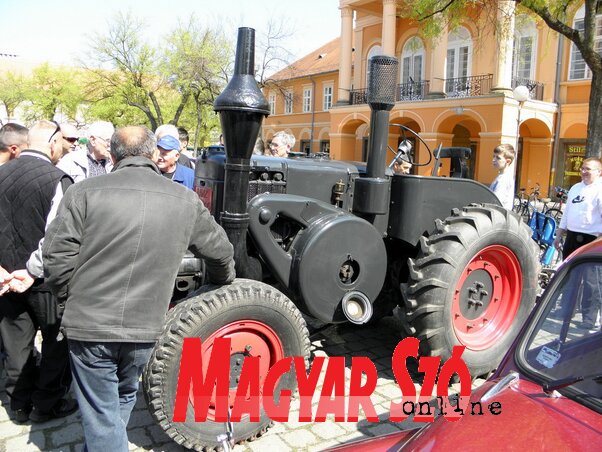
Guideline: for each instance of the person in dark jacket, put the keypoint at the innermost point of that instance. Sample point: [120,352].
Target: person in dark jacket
[113,253]
[30,189]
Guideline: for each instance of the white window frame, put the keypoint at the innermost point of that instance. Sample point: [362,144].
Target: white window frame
[374,50]
[288,102]
[524,31]
[575,55]
[307,99]
[412,49]
[458,40]
[327,93]
[272,103]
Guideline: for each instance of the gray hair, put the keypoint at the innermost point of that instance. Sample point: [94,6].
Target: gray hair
[287,138]
[133,141]
[167,129]
[101,129]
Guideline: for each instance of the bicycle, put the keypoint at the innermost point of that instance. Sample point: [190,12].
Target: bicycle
[525,205]
[556,210]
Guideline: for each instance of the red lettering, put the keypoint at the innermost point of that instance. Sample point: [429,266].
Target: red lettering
[455,365]
[247,392]
[406,348]
[307,384]
[191,373]
[275,412]
[358,394]
[334,380]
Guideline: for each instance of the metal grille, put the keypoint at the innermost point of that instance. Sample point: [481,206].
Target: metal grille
[381,83]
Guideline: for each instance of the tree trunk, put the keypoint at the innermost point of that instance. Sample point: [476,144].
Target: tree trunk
[180,109]
[594,126]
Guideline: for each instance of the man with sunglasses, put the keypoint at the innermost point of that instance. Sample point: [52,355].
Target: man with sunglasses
[70,137]
[31,188]
[93,159]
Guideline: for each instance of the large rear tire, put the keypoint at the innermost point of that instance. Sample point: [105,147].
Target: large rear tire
[256,317]
[473,283]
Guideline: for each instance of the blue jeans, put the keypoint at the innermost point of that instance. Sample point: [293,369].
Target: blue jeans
[105,377]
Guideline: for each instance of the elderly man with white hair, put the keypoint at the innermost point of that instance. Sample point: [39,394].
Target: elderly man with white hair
[94,159]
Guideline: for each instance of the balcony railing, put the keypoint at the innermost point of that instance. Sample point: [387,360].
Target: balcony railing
[358,96]
[476,85]
[535,88]
[405,92]
[412,91]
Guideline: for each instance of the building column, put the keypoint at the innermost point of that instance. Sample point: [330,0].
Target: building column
[346,51]
[438,63]
[388,27]
[505,20]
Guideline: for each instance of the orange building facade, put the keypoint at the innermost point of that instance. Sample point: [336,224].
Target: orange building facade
[456,90]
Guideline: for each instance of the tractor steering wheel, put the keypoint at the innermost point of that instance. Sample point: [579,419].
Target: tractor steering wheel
[403,154]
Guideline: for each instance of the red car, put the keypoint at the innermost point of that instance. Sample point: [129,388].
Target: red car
[549,383]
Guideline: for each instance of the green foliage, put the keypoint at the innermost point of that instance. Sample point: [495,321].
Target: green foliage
[13,91]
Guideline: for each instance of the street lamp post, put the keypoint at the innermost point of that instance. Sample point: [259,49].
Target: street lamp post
[521,94]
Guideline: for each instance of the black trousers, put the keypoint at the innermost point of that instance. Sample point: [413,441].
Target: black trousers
[590,302]
[26,384]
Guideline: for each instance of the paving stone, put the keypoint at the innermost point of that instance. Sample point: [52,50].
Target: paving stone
[34,441]
[53,423]
[327,430]
[9,429]
[67,434]
[322,446]
[299,438]
[158,434]
[272,443]
[382,429]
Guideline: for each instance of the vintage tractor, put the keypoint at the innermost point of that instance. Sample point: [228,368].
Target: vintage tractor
[341,242]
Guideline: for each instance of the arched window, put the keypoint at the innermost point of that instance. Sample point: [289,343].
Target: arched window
[578,69]
[375,50]
[412,61]
[525,48]
[459,56]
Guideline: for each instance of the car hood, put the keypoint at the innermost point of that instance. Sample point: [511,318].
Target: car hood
[529,420]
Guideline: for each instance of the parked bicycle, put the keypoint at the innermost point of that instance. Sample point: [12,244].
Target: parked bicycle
[555,210]
[525,205]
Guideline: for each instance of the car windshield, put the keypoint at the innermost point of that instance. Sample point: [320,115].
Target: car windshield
[563,347]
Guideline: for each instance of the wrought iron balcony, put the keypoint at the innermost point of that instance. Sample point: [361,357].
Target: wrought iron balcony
[405,92]
[412,91]
[535,88]
[358,96]
[476,85]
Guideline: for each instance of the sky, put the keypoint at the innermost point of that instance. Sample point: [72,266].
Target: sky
[57,30]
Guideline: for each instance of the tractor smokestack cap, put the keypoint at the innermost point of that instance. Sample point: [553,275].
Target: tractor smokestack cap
[381,84]
[242,92]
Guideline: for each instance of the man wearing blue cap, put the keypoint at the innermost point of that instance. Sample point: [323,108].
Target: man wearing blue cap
[169,152]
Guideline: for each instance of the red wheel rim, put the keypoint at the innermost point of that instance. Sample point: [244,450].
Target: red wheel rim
[487,297]
[262,340]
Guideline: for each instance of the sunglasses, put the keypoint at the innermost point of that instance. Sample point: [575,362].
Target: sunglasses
[71,139]
[58,129]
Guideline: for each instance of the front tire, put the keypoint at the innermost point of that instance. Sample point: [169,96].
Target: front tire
[249,312]
[473,283]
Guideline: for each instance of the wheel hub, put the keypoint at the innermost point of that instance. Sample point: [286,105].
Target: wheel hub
[476,294]
[487,297]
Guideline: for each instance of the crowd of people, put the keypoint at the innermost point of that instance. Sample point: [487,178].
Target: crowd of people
[81,227]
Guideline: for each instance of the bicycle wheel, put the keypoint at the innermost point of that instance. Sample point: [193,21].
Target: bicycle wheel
[554,213]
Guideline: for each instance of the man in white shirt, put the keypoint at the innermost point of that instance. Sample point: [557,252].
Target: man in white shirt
[582,223]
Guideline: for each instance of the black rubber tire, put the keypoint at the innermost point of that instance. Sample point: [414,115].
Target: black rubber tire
[439,266]
[209,310]
[556,214]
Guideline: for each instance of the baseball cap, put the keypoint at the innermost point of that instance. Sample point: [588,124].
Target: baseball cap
[169,143]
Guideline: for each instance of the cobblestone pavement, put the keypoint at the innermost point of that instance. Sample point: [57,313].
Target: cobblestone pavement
[374,341]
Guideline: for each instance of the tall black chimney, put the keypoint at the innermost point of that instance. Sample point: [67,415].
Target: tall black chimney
[241,107]
[372,192]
